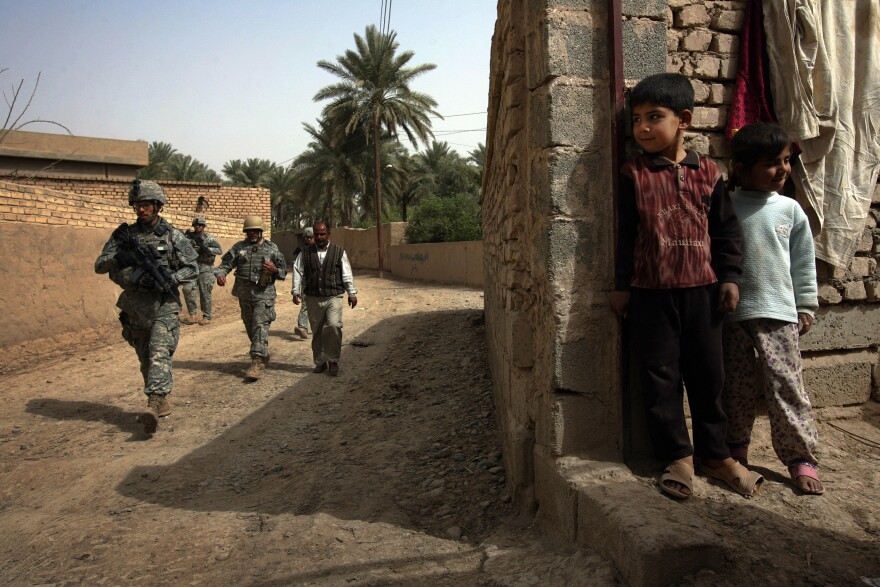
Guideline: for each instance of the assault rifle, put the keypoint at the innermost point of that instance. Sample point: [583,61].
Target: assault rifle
[198,240]
[148,273]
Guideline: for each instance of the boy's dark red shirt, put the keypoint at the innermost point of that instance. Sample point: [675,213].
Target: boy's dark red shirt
[676,225]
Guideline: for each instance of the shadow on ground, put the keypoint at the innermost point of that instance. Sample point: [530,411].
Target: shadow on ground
[361,445]
[88,412]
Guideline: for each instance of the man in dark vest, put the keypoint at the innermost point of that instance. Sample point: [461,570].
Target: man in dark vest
[322,272]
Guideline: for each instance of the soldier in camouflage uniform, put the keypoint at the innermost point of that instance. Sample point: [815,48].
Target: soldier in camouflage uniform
[208,248]
[149,314]
[257,263]
[302,320]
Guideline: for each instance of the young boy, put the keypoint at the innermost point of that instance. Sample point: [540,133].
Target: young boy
[676,271]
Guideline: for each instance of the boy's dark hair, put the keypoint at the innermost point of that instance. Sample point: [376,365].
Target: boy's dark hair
[670,90]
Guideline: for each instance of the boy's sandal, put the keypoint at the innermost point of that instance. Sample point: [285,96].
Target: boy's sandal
[678,472]
[805,470]
[746,483]
[740,454]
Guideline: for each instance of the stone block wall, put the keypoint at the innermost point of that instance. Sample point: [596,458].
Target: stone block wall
[223,202]
[548,228]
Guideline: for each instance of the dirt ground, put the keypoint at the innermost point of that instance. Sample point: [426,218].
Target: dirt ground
[390,474]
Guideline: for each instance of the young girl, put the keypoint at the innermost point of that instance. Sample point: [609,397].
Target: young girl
[778,295]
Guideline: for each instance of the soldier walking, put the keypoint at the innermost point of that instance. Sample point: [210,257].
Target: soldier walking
[148,260]
[207,248]
[257,263]
[302,319]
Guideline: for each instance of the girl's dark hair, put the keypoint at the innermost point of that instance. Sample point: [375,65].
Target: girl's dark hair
[754,142]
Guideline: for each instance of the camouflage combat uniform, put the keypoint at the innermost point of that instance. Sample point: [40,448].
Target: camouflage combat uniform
[257,303]
[207,248]
[149,317]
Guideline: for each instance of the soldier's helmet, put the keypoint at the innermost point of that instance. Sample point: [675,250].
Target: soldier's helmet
[199,220]
[252,223]
[146,191]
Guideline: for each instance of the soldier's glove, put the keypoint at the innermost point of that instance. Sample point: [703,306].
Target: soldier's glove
[147,282]
[125,258]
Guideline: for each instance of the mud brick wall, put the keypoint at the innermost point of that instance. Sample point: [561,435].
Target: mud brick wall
[49,241]
[703,43]
[225,203]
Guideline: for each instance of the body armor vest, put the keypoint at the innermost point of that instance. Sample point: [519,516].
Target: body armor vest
[205,256]
[252,261]
[160,239]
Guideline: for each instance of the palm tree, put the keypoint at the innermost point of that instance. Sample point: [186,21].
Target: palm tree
[280,182]
[252,173]
[330,167]
[478,156]
[185,168]
[160,155]
[374,93]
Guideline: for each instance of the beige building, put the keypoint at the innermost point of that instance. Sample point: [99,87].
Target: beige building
[27,153]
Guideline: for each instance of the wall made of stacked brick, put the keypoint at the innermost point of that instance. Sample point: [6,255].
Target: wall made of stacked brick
[49,241]
[224,206]
[702,42]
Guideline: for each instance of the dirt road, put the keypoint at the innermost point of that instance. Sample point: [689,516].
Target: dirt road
[390,474]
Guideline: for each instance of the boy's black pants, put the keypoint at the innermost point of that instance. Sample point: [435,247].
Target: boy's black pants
[676,337]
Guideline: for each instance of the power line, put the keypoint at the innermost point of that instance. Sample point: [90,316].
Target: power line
[455,132]
[385,17]
[454,115]
[388,18]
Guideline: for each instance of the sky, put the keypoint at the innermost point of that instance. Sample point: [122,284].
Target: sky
[230,79]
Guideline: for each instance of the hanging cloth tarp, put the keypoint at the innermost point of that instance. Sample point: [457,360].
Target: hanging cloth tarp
[752,101]
[824,58]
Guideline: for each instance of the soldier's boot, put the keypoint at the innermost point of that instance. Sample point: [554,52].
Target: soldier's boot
[205,321]
[191,319]
[256,369]
[164,406]
[150,416]
[265,361]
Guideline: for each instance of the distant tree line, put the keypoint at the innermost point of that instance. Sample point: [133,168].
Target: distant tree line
[355,162]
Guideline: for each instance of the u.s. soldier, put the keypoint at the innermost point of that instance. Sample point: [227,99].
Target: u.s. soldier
[148,260]
[258,263]
[208,248]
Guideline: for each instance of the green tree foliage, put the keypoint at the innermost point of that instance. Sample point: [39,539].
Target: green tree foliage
[280,181]
[477,157]
[374,93]
[443,172]
[253,173]
[330,172]
[446,219]
[160,155]
[185,168]
[166,163]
